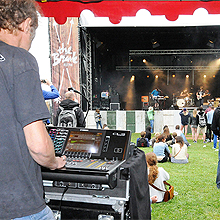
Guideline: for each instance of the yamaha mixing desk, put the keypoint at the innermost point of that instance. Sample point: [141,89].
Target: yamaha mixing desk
[93,156]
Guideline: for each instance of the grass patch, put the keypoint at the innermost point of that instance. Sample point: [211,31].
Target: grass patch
[198,196]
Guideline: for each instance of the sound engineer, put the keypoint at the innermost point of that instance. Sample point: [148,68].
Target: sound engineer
[24,141]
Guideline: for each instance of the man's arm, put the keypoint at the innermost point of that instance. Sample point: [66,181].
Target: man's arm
[41,146]
[53,94]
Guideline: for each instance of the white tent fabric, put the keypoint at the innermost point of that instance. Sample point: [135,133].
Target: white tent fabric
[143,18]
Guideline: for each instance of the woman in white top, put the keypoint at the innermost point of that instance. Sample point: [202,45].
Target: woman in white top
[156,176]
[179,151]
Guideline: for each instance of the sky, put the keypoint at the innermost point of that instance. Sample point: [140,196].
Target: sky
[40,48]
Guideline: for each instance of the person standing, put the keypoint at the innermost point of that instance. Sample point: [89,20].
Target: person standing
[193,125]
[200,95]
[25,143]
[201,121]
[150,115]
[69,114]
[52,94]
[209,116]
[216,131]
[98,117]
[184,114]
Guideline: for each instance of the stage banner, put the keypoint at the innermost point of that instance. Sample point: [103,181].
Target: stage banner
[64,52]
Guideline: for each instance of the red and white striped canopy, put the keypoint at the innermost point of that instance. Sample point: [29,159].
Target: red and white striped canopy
[116,10]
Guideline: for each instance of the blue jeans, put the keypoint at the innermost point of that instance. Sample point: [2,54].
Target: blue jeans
[45,214]
[218,170]
[152,125]
[98,123]
[214,140]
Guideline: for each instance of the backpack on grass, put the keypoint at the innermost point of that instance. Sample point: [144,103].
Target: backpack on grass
[67,117]
[142,142]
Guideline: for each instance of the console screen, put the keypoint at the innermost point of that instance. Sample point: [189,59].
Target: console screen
[88,142]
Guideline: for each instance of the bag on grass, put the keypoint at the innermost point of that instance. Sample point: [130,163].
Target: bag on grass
[142,142]
[169,194]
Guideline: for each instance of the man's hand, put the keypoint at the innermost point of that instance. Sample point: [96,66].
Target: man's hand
[61,162]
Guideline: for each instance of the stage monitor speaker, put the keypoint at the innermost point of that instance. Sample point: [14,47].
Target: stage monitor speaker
[145,98]
[145,105]
[114,106]
[115,98]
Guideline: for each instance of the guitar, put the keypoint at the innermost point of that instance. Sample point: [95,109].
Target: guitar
[200,96]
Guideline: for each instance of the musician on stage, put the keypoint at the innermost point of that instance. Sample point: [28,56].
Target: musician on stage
[200,94]
[184,93]
[154,94]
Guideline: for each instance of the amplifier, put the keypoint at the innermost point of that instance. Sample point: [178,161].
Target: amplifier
[93,156]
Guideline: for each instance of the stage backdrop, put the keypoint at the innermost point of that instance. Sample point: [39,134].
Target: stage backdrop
[64,46]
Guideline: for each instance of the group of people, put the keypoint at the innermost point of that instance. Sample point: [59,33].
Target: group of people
[181,99]
[200,122]
[161,153]
[69,113]
[207,122]
[161,142]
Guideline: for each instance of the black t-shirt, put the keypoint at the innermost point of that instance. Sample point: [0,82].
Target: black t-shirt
[22,103]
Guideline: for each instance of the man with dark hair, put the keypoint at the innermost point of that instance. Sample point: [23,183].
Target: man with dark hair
[24,141]
[216,131]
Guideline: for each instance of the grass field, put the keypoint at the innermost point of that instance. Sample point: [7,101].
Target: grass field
[198,196]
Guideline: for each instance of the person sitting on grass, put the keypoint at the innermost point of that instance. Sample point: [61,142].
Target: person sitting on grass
[179,151]
[156,176]
[168,136]
[161,149]
[148,133]
[174,134]
[153,140]
[180,133]
[142,141]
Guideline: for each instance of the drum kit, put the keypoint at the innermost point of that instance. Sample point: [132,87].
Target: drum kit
[183,100]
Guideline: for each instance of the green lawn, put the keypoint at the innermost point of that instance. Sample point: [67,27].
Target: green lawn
[198,197]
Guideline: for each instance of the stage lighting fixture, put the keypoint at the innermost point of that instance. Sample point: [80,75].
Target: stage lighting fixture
[204,76]
[148,76]
[187,76]
[173,75]
[144,60]
[98,44]
[213,76]
[132,78]
[156,76]
[155,44]
[131,60]
[210,44]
